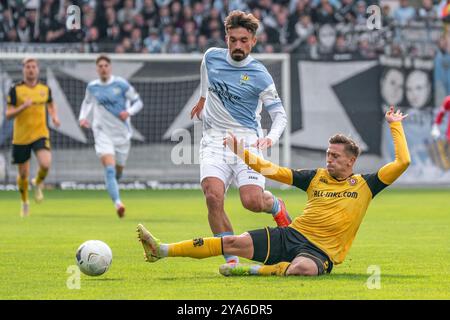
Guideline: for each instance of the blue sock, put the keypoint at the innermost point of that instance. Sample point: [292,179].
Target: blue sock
[111,183]
[276,206]
[227,256]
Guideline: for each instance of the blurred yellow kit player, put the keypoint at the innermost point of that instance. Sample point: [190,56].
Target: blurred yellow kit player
[28,103]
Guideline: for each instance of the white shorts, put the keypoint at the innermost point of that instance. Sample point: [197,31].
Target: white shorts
[224,165]
[105,145]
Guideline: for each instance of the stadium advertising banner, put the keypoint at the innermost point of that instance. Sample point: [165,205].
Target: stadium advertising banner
[351,96]
[409,84]
[327,97]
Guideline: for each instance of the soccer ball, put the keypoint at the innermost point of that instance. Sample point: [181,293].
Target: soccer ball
[94,257]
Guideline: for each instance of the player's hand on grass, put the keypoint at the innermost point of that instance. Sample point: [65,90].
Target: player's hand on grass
[124,115]
[234,145]
[84,124]
[263,143]
[393,116]
[198,108]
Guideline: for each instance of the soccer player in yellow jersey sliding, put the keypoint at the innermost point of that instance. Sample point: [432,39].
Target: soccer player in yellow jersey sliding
[28,103]
[315,240]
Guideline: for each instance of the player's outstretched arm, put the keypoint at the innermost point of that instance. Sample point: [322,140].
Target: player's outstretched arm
[266,168]
[391,171]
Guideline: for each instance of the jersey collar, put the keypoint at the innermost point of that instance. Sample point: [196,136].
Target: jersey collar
[242,63]
[340,180]
[111,79]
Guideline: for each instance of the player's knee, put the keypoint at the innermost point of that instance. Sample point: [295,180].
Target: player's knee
[230,242]
[213,199]
[23,174]
[302,269]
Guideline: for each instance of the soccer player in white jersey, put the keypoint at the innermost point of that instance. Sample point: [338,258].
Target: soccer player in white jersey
[234,89]
[109,103]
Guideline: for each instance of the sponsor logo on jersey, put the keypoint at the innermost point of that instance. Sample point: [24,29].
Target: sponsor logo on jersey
[222,90]
[334,194]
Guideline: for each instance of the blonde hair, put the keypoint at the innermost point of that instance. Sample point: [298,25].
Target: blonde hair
[29,59]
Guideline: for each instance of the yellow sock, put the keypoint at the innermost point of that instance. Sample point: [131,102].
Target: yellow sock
[42,173]
[22,184]
[278,269]
[198,248]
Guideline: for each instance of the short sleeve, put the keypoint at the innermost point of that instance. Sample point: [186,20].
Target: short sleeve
[50,98]
[12,97]
[374,183]
[302,178]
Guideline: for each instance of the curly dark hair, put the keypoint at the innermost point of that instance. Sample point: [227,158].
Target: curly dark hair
[238,19]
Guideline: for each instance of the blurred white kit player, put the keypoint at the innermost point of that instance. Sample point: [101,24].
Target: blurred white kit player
[234,89]
[109,103]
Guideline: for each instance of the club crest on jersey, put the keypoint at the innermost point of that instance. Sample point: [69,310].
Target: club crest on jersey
[42,93]
[352,181]
[116,91]
[244,79]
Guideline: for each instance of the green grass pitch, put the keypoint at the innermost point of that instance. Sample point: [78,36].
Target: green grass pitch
[406,234]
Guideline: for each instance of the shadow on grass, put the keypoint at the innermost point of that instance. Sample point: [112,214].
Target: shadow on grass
[340,276]
[365,276]
[103,279]
[203,277]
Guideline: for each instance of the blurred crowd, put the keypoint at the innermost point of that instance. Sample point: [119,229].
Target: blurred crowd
[311,27]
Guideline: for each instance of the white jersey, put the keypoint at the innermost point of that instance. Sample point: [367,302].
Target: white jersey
[103,103]
[235,94]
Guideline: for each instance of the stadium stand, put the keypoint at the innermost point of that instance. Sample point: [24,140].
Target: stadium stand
[189,26]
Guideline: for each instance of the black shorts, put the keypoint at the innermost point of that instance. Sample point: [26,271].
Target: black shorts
[274,245]
[21,153]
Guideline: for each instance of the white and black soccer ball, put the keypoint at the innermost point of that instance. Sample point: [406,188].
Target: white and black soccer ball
[94,257]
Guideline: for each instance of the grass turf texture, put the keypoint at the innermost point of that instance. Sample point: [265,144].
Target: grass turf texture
[405,232]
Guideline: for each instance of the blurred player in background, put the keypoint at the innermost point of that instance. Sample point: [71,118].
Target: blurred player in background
[28,103]
[322,236]
[445,108]
[439,147]
[109,103]
[234,88]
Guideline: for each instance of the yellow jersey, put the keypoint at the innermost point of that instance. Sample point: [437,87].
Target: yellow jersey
[31,124]
[335,208]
